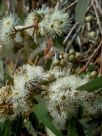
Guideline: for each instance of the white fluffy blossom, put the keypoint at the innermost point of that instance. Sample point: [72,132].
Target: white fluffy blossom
[7,24]
[44,10]
[7,41]
[61,99]
[58,72]
[6,27]
[62,102]
[55,23]
[30,21]
[21,92]
[33,18]
[19,86]
[33,72]
[9,106]
[6,106]
[17,98]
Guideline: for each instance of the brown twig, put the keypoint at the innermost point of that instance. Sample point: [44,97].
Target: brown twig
[97,17]
[22,28]
[36,60]
[100,70]
[70,32]
[74,36]
[85,54]
[91,57]
[72,4]
[98,6]
[80,44]
[84,60]
[17,59]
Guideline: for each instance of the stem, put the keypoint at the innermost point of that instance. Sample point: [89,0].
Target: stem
[97,16]
[99,7]
[17,59]
[71,31]
[74,36]
[80,44]
[72,4]
[100,71]
[91,57]
[22,28]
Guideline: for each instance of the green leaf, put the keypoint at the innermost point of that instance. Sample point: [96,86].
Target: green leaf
[38,98]
[18,126]
[80,10]
[91,67]
[42,114]
[75,128]
[92,85]
[72,131]
[7,128]
[1,128]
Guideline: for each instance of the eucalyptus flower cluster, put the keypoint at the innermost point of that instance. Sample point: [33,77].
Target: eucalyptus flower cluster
[57,88]
[63,100]
[38,24]
[6,40]
[55,23]
[17,98]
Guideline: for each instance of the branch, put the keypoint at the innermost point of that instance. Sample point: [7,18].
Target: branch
[97,16]
[91,57]
[22,28]
[72,4]
[70,32]
[73,38]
